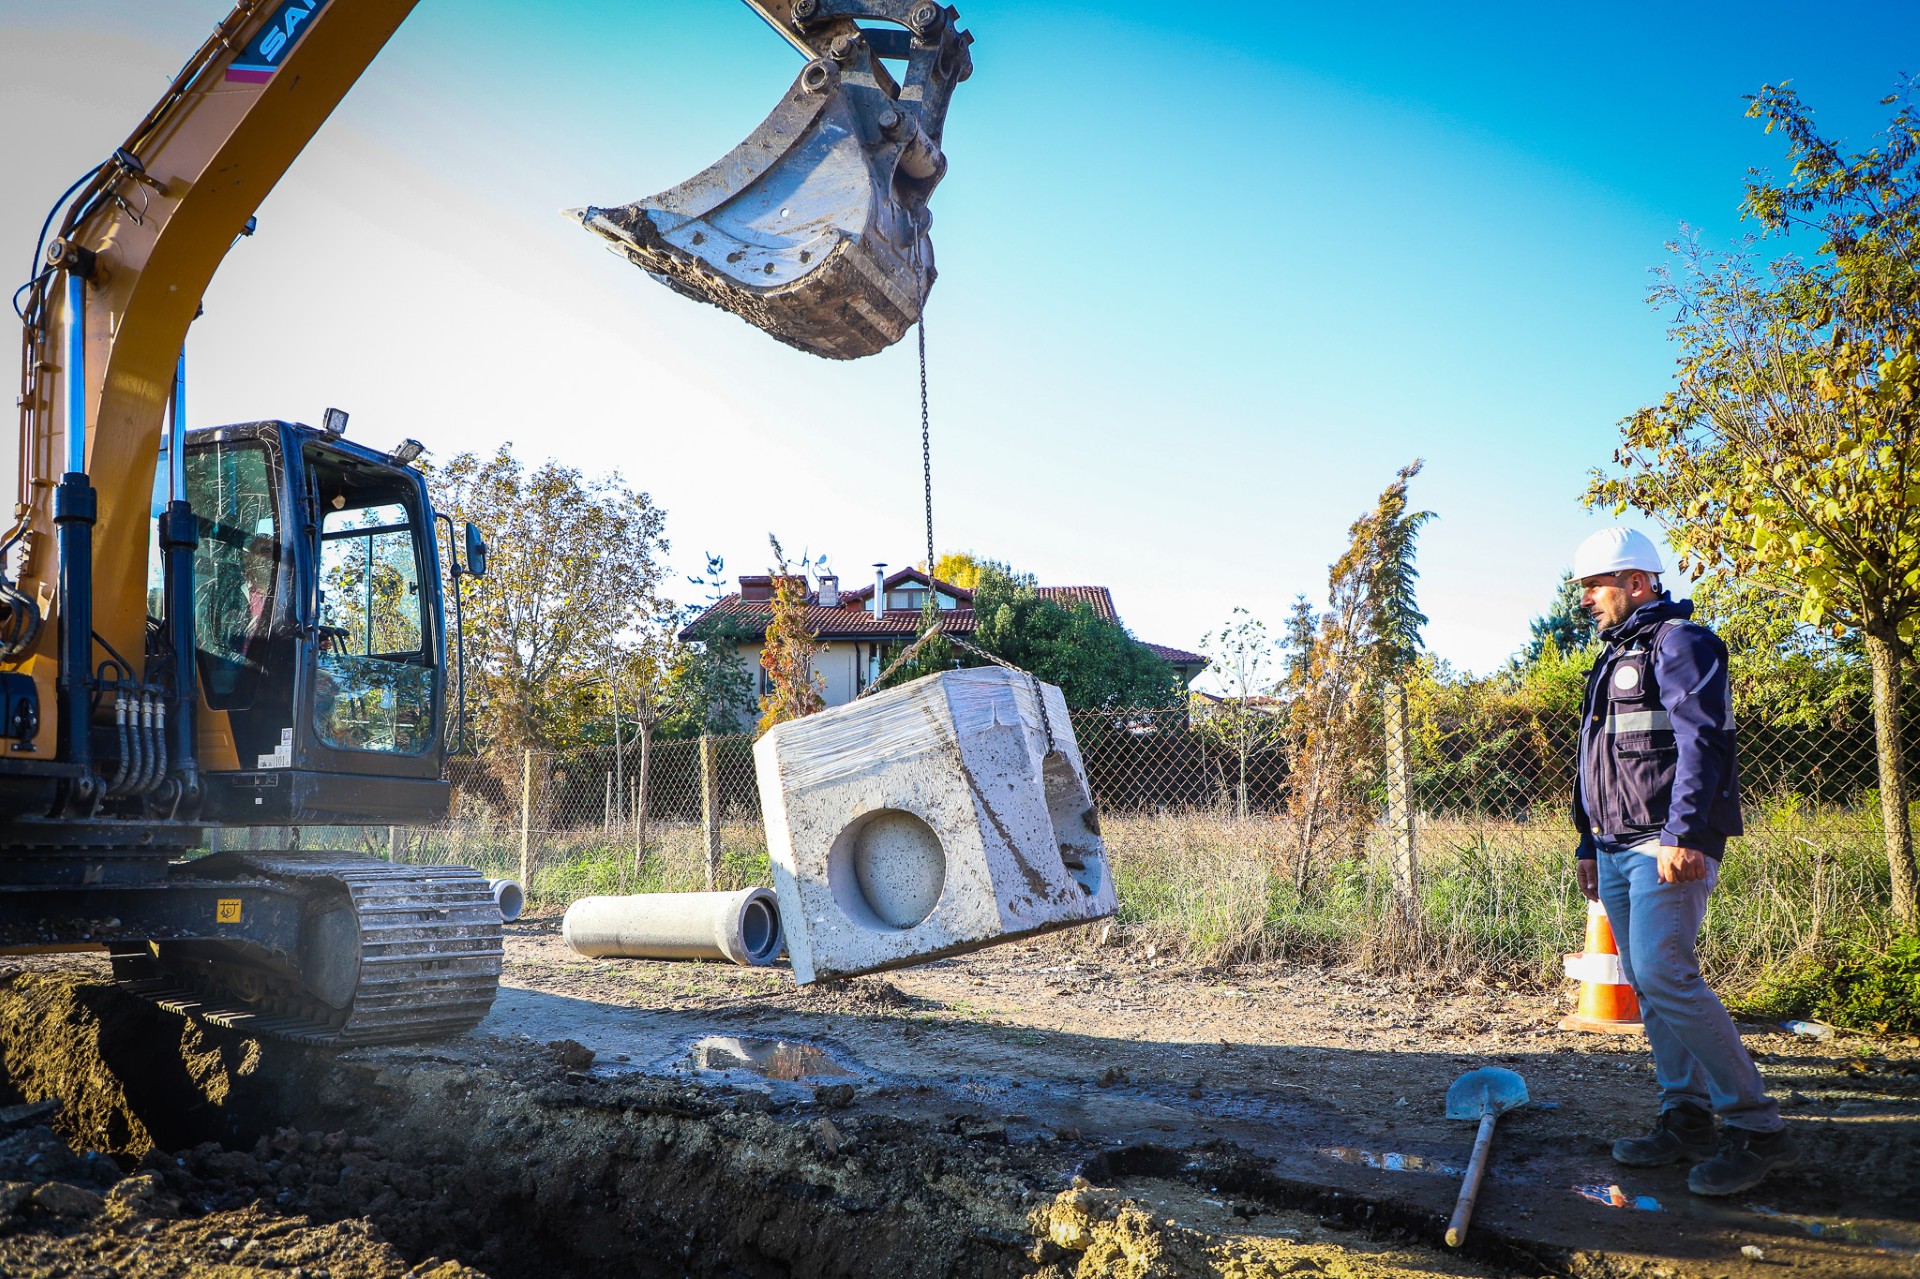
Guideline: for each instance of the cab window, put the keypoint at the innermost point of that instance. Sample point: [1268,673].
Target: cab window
[374,682]
[238,585]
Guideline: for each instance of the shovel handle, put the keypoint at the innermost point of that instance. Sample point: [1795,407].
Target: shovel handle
[1470,1187]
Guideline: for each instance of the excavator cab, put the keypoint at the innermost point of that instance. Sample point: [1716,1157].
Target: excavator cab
[317,623]
[815,229]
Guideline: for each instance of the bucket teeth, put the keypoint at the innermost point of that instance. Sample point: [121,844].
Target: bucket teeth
[813,229]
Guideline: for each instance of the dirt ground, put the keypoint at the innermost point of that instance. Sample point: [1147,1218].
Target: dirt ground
[1057,1109]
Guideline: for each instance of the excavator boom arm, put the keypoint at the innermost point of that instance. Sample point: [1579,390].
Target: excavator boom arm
[106,318]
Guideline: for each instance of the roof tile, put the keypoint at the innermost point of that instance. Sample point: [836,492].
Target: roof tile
[854,621]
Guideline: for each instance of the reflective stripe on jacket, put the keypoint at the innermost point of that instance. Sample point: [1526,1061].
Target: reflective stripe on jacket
[1657,736]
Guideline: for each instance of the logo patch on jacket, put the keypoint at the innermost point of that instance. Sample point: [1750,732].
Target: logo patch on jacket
[1627,678]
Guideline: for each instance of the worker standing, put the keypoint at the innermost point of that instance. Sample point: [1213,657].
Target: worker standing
[1656,798]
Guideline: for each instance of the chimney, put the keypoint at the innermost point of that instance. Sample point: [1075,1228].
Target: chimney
[879,591]
[829,590]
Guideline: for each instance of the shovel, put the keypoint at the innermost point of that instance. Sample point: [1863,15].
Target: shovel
[1484,1094]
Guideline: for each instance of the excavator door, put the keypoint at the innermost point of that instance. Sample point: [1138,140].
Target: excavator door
[815,228]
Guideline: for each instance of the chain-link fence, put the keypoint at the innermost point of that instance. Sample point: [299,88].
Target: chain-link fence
[1143,764]
[1234,839]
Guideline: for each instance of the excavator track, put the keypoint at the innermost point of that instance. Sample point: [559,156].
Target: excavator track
[429,942]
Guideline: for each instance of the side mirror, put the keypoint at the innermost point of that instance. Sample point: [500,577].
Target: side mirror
[476,553]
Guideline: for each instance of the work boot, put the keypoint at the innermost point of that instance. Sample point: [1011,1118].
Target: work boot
[1684,1132]
[1745,1157]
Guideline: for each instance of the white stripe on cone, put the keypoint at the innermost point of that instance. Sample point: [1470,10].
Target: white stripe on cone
[1601,970]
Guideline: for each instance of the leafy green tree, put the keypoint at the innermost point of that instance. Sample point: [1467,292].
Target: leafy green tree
[1566,628]
[709,687]
[1788,453]
[1097,664]
[1783,671]
[573,572]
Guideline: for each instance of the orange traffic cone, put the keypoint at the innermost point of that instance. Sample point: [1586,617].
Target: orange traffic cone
[1606,1001]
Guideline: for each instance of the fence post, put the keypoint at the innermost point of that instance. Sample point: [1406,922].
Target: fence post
[710,806]
[1401,854]
[619,788]
[640,798]
[526,813]
[393,841]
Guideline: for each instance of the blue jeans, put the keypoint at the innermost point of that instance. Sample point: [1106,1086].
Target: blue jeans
[1698,1058]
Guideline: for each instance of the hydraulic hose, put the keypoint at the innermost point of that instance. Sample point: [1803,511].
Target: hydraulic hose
[159,745]
[138,769]
[120,733]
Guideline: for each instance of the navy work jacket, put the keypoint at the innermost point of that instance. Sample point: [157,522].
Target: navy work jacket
[1657,736]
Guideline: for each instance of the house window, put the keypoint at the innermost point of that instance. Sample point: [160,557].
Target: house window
[914,598]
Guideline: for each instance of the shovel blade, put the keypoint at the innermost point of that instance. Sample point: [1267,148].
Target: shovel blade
[812,229]
[1490,1090]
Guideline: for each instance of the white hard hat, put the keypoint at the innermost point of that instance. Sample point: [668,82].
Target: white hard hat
[1615,550]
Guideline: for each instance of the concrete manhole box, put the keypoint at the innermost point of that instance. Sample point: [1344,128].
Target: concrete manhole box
[938,817]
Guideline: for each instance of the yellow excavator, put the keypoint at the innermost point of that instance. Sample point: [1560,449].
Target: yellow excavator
[243,626]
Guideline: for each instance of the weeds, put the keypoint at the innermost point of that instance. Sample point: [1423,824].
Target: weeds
[1804,889]
[1800,915]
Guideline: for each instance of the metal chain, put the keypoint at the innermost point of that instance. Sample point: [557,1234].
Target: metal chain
[926,472]
[926,448]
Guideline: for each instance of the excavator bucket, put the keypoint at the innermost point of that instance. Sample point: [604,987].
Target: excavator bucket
[815,228]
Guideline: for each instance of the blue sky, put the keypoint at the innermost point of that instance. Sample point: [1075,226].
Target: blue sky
[1207,278]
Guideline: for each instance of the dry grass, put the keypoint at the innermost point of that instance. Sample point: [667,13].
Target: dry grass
[1496,898]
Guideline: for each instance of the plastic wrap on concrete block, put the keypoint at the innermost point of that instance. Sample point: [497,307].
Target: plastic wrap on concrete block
[928,820]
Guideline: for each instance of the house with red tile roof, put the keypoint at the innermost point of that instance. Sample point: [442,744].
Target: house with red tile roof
[861,631]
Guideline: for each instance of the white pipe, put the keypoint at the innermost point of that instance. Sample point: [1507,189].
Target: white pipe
[508,897]
[743,927]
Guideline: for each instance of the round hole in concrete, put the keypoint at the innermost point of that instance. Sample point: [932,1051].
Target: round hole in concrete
[887,869]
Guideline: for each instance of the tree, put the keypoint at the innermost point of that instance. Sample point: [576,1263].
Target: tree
[1783,671]
[1248,721]
[1380,561]
[574,569]
[709,689]
[1336,669]
[1096,663]
[1566,628]
[1787,456]
[962,569]
[793,688]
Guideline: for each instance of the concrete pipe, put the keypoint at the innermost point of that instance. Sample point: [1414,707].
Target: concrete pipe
[508,897]
[743,927]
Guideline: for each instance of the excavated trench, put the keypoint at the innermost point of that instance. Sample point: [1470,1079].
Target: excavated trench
[521,1160]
